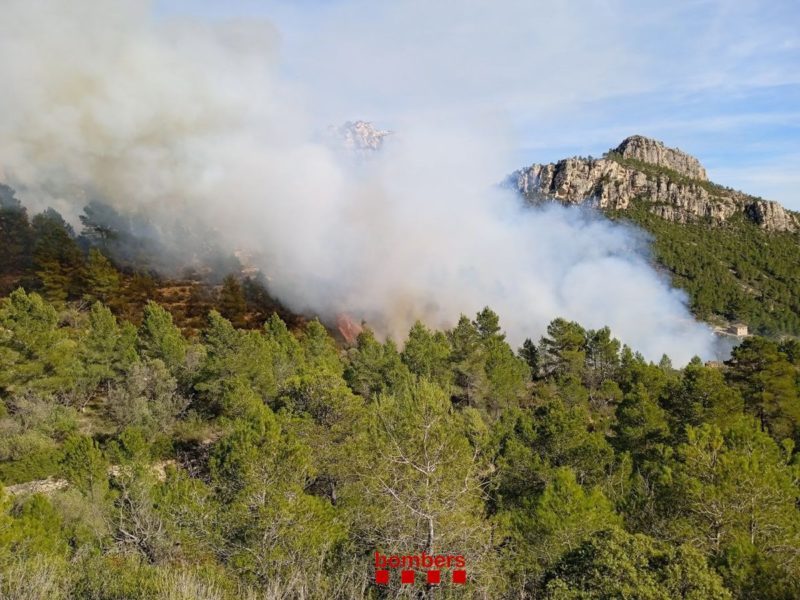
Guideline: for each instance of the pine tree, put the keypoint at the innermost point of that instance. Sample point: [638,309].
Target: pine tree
[103,226]
[768,383]
[702,396]
[288,355]
[427,354]
[85,467]
[102,280]
[159,338]
[107,349]
[563,352]
[530,354]
[233,354]
[468,362]
[546,527]
[319,350]
[642,425]
[15,233]
[232,304]
[35,353]
[733,494]
[374,367]
[57,259]
[615,564]
[277,530]
[426,495]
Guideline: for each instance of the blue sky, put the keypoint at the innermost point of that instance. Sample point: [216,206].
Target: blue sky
[719,79]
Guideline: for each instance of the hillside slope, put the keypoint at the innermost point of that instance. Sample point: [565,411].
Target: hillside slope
[736,255]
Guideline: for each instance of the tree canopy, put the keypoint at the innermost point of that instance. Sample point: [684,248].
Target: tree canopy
[145,460]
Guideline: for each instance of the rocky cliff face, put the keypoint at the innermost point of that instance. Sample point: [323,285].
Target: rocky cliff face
[672,183]
[653,152]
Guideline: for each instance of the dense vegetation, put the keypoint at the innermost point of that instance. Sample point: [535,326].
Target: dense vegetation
[45,255]
[270,463]
[736,272]
[204,449]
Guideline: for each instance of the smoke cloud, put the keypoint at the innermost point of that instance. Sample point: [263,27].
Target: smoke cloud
[191,123]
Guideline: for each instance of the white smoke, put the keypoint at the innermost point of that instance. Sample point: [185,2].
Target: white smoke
[190,122]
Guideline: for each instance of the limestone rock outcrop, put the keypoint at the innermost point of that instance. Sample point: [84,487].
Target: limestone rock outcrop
[638,147]
[673,184]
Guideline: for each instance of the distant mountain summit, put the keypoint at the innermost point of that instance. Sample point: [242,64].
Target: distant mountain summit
[359,136]
[671,183]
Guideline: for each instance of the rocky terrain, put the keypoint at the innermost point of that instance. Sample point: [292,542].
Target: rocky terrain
[358,136]
[672,183]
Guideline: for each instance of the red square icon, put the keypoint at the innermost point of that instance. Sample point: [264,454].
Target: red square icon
[382,577]
[407,576]
[434,577]
[459,577]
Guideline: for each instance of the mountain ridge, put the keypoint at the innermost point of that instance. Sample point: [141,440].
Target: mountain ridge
[672,183]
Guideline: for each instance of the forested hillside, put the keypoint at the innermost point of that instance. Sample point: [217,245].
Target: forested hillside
[233,364]
[43,253]
[271,463]
[167,438]
[736,255]
[732,272]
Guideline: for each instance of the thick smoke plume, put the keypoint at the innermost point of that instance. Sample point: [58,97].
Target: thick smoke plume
[189,123]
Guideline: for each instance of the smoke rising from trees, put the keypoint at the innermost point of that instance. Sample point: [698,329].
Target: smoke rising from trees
[192,125]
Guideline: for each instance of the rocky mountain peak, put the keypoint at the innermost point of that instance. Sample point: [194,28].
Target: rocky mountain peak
[638,147]
[359,136]
[669,182]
